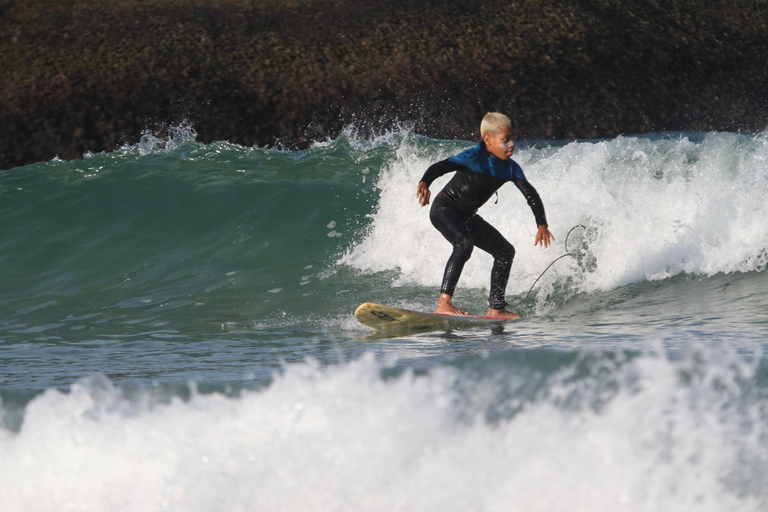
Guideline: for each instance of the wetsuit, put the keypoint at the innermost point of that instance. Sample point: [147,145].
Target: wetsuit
[479,175]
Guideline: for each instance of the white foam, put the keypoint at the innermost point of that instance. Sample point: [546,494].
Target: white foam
[654,208]
[675,436]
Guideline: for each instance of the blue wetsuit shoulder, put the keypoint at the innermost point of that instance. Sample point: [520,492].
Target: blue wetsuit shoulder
[478,160]
[478,176]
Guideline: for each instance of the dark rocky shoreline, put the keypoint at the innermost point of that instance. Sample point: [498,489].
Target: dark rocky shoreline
[92,75]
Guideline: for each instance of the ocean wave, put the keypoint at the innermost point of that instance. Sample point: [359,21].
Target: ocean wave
[592,431]
[653,207]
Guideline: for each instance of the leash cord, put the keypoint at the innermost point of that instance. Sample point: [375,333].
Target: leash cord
[567,253]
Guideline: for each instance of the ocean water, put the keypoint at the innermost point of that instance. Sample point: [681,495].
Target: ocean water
[176,331]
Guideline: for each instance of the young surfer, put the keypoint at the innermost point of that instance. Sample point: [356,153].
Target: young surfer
[480,171]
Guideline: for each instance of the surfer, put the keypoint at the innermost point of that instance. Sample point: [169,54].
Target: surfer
[480,172]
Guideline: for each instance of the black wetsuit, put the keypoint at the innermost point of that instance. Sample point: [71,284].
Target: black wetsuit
[454,209]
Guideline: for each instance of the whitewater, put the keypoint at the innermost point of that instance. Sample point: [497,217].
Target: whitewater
[176,331]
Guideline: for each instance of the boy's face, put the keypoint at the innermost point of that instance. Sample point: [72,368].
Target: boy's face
[500,144]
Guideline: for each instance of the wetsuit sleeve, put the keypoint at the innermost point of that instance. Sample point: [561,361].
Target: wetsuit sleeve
[439,169]
[534,201]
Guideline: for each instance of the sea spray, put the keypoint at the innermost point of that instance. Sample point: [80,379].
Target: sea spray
[601,432]
[653,208]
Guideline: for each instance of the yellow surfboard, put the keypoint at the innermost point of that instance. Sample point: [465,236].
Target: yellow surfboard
[387,318]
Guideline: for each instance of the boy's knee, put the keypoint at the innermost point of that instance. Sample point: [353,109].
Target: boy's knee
[506,252]
[464,248]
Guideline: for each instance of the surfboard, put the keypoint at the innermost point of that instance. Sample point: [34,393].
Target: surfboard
[387,318]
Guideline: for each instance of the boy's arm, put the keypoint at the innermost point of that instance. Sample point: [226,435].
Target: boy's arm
[439,169]
[534,201]
[433,172]
[543,236]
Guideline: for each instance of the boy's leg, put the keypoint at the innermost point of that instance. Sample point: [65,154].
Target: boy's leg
[488,239]
[452,224]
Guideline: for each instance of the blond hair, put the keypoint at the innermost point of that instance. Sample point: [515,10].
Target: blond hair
[492,122]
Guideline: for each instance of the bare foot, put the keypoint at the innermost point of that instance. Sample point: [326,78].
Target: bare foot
[444,306]
[502,313]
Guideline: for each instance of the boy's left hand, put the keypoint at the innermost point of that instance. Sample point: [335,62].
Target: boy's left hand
[544,237]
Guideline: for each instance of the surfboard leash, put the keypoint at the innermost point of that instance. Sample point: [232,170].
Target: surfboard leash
[567,253]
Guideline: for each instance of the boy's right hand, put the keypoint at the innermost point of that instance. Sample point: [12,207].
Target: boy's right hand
[422,193]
